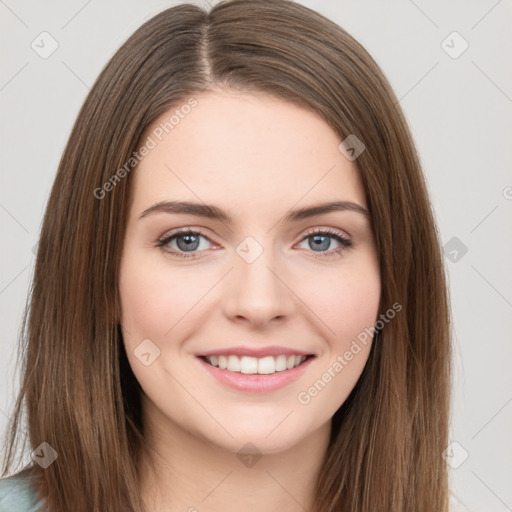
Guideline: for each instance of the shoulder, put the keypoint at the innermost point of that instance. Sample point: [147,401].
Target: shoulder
[18,495]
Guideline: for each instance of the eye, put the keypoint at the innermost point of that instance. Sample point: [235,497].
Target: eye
[187,241]
[319,240]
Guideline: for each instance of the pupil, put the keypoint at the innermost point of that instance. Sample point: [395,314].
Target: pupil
[189,242]
[318,243]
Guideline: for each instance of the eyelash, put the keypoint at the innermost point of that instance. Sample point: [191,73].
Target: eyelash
[345,242]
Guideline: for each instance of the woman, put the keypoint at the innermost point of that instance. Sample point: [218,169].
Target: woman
[239,299]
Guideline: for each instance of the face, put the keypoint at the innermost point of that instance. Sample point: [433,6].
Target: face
[266,286]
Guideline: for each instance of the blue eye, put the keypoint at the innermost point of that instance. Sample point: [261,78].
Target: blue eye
[189,241]
[320,239]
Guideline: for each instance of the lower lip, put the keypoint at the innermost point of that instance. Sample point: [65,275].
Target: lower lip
[256,382]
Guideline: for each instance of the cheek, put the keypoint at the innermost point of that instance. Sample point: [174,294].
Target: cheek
[346,303]
[152,298]
[348,307]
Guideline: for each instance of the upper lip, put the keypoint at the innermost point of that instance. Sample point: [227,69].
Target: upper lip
[272,350]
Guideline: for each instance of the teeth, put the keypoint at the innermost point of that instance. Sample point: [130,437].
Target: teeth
[248,365]
[251,365]
[280,363]
[267,365]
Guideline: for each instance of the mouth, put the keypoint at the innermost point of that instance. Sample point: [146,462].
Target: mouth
[258,375]
[248,365]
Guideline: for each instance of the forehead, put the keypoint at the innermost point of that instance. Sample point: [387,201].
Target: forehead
[244,149]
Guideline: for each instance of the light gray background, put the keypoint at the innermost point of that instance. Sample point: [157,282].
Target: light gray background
[459,110]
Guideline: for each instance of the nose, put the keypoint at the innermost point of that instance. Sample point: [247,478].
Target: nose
[258,292]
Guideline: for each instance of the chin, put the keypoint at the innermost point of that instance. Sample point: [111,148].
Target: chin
[266,438]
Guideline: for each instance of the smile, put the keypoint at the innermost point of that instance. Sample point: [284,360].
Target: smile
[253,365]
[255,374]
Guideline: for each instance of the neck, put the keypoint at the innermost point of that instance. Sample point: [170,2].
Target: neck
[189,473]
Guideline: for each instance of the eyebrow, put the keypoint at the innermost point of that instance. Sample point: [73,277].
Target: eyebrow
[215,212]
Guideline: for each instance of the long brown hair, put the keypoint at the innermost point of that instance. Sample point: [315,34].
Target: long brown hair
[78,391]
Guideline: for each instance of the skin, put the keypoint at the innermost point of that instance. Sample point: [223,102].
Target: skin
[258,157]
